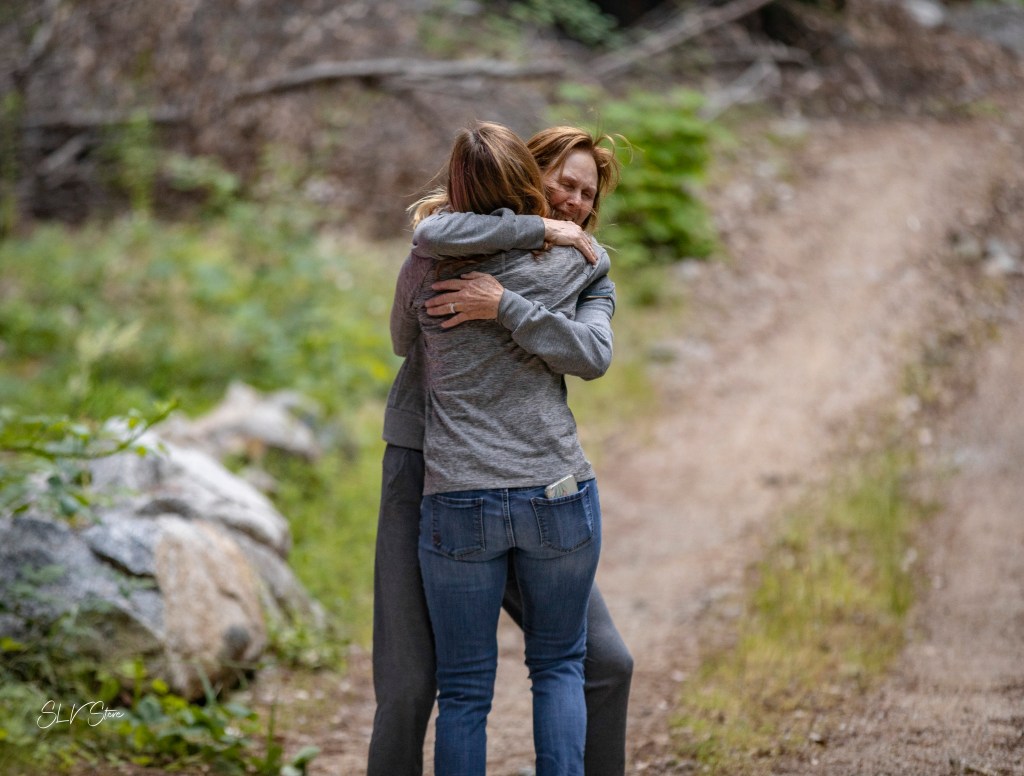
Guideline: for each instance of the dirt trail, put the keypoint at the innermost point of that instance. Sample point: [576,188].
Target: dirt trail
[955,701]
[829,299]
[831,290]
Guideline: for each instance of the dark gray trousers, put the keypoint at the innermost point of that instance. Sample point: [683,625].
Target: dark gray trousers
[403,644]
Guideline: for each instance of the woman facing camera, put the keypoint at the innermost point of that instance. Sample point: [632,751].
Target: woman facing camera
[506,483]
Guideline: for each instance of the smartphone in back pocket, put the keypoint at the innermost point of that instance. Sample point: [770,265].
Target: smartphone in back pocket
[562,487]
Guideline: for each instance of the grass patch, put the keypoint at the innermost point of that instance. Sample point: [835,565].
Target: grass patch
[102,320]
[824,619]
[119,316]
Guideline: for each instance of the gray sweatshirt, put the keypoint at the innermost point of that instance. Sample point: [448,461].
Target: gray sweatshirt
[498,415]
[580,346]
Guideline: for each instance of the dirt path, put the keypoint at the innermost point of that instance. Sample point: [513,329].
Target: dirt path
[955,701]
[830,293]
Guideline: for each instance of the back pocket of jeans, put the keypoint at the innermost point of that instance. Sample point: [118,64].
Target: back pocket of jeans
[565,523]
[457,525]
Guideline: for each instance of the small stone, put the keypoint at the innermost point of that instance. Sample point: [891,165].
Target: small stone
[1002,265]
[926,13]
[967,248]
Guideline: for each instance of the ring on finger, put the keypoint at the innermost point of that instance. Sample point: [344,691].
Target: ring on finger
[451,306]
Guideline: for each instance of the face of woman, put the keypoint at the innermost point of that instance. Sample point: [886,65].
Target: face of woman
[572,187]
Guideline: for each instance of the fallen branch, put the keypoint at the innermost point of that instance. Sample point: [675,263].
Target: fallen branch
[405,69]
[396,70]
[689,25]
[978,769]
[768,52]
[41,43]
[63,156]
[93,119]
[742,90]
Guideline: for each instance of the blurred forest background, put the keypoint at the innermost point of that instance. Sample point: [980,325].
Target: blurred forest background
[202,210]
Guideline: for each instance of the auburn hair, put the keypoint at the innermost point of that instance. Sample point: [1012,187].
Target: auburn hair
[489,167]
[551,147]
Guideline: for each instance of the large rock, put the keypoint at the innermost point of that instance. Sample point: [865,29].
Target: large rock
[47,571]
[212,615]
[999,22]
[248,422]
[190,483]
[183,568]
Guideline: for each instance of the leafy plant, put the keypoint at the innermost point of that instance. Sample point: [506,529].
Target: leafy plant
[205,176]
[42,458]
[133,150]
[127,717]
[656,215]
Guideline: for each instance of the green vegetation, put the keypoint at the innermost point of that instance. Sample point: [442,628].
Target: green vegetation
[656,215]
[825,617]
[98,321]
[135,163]
[42,459]
[10,112]
[509,30]
[128,717]
[332,507]
[136,313]
[579,19]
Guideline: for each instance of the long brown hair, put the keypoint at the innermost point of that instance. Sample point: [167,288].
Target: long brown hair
[489,168]
[552,146]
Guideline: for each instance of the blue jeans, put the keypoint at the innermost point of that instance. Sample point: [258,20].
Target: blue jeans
[466,540]
[403,642]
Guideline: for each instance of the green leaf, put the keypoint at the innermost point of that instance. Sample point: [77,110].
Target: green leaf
[305,756]
[7,644]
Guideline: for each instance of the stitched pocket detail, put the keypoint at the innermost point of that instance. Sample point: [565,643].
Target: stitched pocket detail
[457,525]
[565,523]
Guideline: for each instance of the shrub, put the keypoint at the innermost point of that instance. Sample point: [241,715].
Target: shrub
[656,215]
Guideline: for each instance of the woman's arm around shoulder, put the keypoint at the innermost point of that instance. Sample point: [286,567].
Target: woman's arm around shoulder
[451,235]
[454,235]
[581,346]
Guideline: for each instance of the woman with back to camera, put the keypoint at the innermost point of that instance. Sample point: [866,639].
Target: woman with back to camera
[506,480]
[578,169]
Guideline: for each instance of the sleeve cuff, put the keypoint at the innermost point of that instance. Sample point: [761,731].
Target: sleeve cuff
[531,232]
[513,309]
